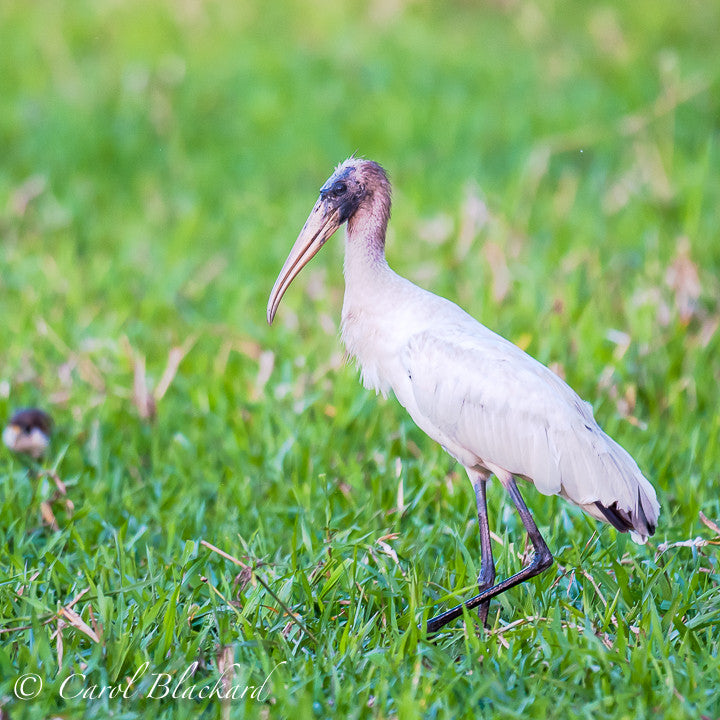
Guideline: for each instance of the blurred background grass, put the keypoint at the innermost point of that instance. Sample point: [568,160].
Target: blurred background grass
[554,166]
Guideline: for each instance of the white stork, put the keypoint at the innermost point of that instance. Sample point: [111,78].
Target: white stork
[494,408]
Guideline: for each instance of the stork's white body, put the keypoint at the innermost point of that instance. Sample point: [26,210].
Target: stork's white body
[489,404]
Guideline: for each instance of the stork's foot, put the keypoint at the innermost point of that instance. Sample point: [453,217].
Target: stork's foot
[483,610]
[541,561]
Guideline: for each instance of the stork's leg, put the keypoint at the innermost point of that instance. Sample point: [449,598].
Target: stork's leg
[487,564]
[542,560]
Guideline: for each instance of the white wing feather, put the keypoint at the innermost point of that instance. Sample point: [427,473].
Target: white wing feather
[489,403]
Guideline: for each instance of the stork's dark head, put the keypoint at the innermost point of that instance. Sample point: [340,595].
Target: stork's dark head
[355,184]
[352,183]
[28,432]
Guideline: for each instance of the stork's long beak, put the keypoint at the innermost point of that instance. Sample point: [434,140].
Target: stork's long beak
[320,225]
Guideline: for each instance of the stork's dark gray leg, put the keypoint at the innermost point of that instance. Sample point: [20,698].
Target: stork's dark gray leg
[542,560]
[487,564]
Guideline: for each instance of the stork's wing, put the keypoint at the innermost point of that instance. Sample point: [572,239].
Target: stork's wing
[480,395]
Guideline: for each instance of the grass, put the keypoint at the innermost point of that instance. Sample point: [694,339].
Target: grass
[555,173]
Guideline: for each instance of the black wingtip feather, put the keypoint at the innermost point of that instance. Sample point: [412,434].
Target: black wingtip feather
[619,519]
[650,526]
[624,521]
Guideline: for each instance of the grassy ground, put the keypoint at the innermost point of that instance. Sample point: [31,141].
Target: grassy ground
[555,167]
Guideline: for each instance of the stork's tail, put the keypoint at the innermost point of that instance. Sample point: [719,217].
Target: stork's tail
[639,522]
[605,481]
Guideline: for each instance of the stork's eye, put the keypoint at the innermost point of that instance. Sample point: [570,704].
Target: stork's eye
[338,189]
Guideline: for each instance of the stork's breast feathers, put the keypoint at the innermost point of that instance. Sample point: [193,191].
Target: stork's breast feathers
[485,399]
[364,344]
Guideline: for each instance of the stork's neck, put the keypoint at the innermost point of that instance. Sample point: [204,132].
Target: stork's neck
[365,262]
[368,291]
